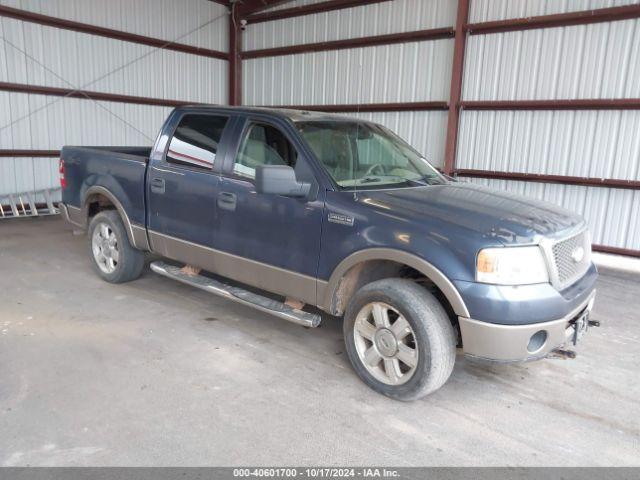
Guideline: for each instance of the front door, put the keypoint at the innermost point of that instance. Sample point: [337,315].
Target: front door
[270,241]
[182,186]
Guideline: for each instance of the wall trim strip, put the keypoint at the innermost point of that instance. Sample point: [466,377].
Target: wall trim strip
[615,250]
[583,17]
[308,10]
[369,107]
[545,178]
[29,153]
[560,104]
[49,21]
[83,94]
[390,39]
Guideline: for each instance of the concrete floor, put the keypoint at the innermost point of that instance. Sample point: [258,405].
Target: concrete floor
[156,373]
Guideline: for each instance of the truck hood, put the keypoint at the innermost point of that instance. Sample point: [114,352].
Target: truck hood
[500,216]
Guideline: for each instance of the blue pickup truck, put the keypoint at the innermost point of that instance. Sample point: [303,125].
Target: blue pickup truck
[298,213]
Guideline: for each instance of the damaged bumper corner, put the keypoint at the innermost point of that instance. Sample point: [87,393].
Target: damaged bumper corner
[513,343]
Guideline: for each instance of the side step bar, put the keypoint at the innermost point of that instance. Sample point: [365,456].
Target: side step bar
[239,295]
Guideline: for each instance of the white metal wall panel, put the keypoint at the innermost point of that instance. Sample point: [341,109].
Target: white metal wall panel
[425,131]
[22,175]
[489,10]
[408,72]
[589,61]
[368,20]
[600,144]
[613,215]
[39,55]
[172,20]
[44,122]
[56,121]
[600,60]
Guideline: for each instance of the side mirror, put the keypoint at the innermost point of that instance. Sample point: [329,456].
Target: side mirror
[280,180]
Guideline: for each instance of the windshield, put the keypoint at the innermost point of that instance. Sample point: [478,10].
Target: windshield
[365,155]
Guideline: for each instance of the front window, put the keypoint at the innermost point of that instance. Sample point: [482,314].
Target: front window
[364,155]
[263,145]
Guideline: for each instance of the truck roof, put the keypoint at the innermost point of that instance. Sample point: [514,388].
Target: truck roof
[289,113]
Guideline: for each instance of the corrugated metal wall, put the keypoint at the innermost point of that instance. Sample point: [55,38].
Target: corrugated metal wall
[375,19]
[39,55]
[489,10]
[613,214]
[35,54]
[601,60]
[409,72]
[385,74]
[165,19]
[595,61]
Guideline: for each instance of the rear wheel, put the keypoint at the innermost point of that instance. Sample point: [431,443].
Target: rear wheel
[399,339]
[114,259]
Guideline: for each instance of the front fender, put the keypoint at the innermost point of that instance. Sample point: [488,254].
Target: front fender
[398,256]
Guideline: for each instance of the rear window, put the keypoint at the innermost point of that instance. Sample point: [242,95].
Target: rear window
[195,141]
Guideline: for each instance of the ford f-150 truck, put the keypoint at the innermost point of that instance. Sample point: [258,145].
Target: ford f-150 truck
[298,213]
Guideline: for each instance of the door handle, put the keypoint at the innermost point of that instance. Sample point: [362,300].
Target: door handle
[227,201]
[157,185]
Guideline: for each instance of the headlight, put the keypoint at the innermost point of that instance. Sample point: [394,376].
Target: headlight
[511,266]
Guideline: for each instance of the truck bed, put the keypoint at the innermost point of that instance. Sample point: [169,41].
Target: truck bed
[121,170]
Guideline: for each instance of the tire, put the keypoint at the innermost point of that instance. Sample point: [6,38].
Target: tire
[429,348]
[106,233]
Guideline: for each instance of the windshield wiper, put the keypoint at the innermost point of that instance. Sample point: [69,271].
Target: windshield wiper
[385,178]
[432,180]
[369,180]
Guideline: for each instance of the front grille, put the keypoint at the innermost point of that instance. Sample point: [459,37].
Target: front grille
[566,259]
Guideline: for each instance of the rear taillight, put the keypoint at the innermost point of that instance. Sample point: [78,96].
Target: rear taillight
[63,181]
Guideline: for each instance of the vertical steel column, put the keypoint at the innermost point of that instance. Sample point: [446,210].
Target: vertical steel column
[456,87]
[235,61]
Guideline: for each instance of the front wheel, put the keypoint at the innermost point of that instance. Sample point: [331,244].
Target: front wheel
[399,339]
[114,259]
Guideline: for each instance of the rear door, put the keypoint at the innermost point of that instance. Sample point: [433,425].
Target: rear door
[182,185]
[270,241]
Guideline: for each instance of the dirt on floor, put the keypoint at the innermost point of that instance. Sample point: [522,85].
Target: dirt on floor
[156,373]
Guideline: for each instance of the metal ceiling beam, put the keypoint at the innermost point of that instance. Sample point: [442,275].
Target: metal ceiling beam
[388,39]
[249,7]
[583,17]
[309,9]
[550,178]
[89,95]
[369,107]
[554,104]
[23,153]
[615,250]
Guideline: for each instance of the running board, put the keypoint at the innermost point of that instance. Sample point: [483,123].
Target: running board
[239,295]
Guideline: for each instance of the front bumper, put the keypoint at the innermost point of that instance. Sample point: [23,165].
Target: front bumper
[524,304]
[510,343]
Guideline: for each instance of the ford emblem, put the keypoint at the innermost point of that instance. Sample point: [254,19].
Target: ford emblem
[578,254]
